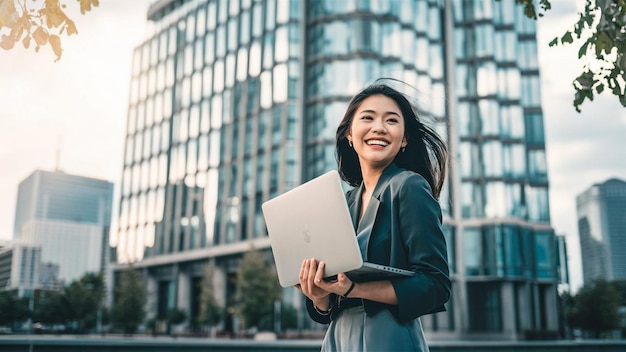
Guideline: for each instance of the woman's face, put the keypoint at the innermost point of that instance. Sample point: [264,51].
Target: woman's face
[377,131]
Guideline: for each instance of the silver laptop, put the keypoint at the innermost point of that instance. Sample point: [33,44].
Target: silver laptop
[313,221]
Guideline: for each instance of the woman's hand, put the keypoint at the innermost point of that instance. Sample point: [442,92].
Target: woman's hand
[315,288]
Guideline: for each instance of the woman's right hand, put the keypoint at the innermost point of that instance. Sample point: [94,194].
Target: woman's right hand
[318,295]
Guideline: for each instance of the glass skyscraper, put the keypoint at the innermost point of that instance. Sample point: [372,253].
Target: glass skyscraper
[69,217]
[602,230]
[235,101]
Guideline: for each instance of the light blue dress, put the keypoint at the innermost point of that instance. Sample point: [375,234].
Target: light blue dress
[353,330]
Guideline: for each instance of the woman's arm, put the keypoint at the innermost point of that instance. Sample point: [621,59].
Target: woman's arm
[419,217]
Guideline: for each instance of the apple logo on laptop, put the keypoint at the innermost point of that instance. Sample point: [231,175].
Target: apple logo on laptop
[307,234]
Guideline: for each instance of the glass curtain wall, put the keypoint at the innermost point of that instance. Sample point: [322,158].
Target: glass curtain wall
[212,125]
[503,172]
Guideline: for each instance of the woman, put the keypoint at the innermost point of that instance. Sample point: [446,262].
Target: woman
[397,166]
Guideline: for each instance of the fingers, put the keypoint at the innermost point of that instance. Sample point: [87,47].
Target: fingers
[319,273]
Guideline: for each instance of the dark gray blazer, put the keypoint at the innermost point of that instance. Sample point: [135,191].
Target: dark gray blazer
[401,227]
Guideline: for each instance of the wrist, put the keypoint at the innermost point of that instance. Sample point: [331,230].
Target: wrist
[322,305]
[350,290]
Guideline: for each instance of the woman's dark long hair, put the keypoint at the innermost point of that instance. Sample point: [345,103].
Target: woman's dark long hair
[426,153]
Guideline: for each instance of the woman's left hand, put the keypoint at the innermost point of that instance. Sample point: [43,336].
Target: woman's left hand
[338,286]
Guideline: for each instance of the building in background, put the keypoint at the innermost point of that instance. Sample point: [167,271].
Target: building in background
[68,217]
[235,102]
[20,268]
[602,230]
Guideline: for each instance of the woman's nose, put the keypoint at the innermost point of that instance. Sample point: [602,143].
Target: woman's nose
[379,127]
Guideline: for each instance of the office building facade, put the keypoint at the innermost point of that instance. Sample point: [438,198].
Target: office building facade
[602,230]
[69,217]
[234,102]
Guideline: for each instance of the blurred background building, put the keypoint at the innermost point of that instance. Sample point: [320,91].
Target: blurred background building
[67,218]
[235,102]
[602,230]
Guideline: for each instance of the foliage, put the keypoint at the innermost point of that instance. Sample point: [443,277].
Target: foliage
[85,298]
[51,307]
[257,289]
[288,317]
[601,28]
[13,309]
[129,302]
[176,316]
[39,21]
[596,308]
[210,311]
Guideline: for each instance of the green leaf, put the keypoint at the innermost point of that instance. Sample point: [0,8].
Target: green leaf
[603,43]
[600,88]
[567,38]
[583,50]
[553,42]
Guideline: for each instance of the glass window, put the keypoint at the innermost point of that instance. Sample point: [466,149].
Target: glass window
[233,8]
[255,59]
[280,83]
[537,202]
[537,166]
[268,50]
[472,200]
[194,121]
[488,110]
[209,45]
[244,29]
[216,112]
[218,76]
[270,14]
[230,70]
[282,45]
[496,201]
[266,90]
[222,10]
[220,39]
[192,157]
[190,28]
[485,306]
[544,255]
[257,19]
[472,253]
[233,36]
[486,79]
[492,159]
[242,64]
[165,135]
[207,81]
[282,11]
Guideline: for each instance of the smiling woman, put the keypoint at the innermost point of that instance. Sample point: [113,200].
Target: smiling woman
[397,165]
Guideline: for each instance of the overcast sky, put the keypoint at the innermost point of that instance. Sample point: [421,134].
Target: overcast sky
[78,106]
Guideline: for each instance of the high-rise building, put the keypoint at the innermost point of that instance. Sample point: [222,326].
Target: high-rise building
[20,268]
[602,230]
[69,217]
[234,102]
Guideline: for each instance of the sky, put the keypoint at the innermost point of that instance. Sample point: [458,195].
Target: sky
[76,108]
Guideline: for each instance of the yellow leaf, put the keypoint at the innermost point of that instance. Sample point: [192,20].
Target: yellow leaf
[55,43]
[85,5]
[26,41]
[53,14]
[7,12]
[41,36]
[71,27]
[7,42]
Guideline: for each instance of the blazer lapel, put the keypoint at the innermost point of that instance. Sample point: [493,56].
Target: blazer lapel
[364,229]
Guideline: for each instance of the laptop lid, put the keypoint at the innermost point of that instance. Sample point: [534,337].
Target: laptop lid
[312,221]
